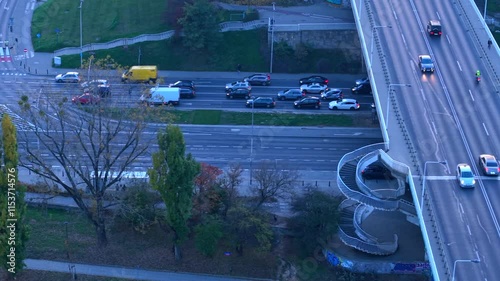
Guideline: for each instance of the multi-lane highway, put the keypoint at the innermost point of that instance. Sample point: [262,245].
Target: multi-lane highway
[307,149]
[210,93]
[450,118]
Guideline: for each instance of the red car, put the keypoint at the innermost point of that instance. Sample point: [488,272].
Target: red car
[86,98]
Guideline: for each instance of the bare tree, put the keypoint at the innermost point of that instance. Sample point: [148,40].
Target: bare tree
[93,152]
[230,182]
[271,182]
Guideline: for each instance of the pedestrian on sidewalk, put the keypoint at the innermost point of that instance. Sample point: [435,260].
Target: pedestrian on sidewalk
[489,43]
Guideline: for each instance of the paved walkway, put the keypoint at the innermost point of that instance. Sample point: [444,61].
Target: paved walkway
[125,273]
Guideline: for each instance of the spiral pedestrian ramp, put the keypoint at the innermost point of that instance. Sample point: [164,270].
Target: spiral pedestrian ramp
[363,197]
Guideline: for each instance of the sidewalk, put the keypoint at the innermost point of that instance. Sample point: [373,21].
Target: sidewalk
[125,273]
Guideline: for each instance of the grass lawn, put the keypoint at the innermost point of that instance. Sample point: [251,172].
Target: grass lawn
[219,117]
[102,21]
[132,249]
[152,251]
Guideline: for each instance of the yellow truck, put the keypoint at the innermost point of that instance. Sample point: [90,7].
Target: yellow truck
[141,74]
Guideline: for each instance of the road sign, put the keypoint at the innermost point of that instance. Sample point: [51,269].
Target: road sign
[25,50]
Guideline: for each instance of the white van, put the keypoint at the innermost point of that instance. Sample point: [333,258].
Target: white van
[161,96]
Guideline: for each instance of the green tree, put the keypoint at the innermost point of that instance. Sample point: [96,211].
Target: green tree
[247,226]
[13,228]
[316,219]
[208,235]
[138,207]
[173,176]
[200,25]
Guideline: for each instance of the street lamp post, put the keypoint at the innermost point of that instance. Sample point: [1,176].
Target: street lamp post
[455,266]
[425,173]
[272,39]
[251,147]
[81,35]
[373,32]
[485,6]
[388,99]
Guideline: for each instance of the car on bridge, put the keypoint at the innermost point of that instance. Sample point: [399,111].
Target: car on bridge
[314,88]
[425,63]
[489,164]
[465,176]
[434,28]
[346,104]
[291,94]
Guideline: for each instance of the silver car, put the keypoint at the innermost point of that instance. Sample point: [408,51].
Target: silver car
[489,164]
[314,88]
[68,77]
[465,176]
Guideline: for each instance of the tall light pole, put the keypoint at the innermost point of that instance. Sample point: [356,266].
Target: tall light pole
[485,6]
[272,39]
[388,99]
[251,146]
[81,35]
[373,33]
[425,173]
[455,266]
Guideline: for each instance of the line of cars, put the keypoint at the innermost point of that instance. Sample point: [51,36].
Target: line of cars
[488,165]
[310,85]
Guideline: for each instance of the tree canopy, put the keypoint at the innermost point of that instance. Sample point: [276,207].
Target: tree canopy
[173,176]
[13,227]
[200,25]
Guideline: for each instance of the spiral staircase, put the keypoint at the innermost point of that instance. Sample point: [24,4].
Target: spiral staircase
[362,200]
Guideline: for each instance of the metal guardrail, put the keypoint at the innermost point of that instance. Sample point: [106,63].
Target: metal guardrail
[224,27]
[312,26]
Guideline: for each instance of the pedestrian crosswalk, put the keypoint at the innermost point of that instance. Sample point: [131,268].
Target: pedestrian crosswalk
[20,123]
[5,54]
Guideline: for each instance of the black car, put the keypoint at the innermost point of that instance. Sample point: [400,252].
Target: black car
[99,87]
[291,94]
[259,79]
[364,88]
[183,84]
[365,80]
[187,93]
[238,93]
[376,170]
[310,102]
[434,28]
[261,102]
[314,79]
[332,94]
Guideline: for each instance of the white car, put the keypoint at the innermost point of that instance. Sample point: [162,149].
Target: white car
[465,176]
[70,77]
[238,85]
[348,104]
[314,88]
